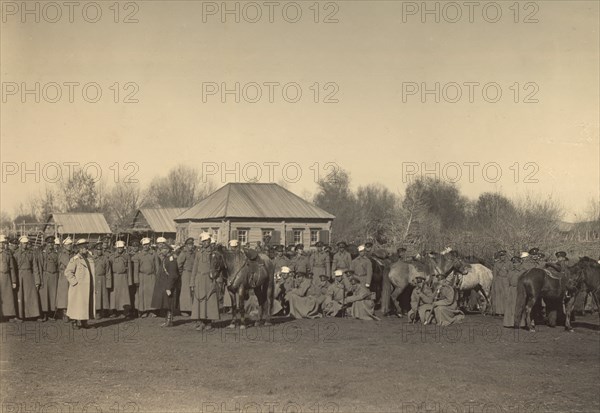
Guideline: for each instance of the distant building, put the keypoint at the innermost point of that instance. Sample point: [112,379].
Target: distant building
[89,225]
[156,222]
[588,231]
[249,212]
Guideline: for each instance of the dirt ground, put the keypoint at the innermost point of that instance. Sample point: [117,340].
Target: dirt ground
[324,365]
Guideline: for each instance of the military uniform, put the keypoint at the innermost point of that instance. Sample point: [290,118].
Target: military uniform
[8,277]
[342,260]
[144,277]
[445,308]
[499,285]
[185,263]
[514,272]
[206,299]
[62,289]
[122,278]
[103,282]
[334,299]
[320,264]
[361,303]
[300,263]
[281,261]
[363,268]
[49,266]
[28,304]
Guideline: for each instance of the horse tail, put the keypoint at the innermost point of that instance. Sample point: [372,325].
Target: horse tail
[520,302]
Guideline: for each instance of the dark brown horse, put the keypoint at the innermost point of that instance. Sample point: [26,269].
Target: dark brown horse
[556,288]
[587,273]
[240,274]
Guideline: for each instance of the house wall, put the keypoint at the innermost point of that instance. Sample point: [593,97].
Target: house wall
[228,229]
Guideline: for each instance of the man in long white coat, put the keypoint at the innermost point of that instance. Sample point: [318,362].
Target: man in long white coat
[80,273]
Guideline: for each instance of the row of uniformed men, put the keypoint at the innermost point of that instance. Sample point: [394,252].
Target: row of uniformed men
[33,282]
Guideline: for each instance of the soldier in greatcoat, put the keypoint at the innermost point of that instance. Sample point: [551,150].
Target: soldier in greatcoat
[319,262]
[62,289]
[185,263]
[363,267]
[28,301]
[335,297]
[499,282]
[80,274]
[103,284]
[514,272]
[167,274]
[122,279]
[360,304]
[342,258]
[300,263]
[205,307]
[144,277]
[8,280]
[49,267]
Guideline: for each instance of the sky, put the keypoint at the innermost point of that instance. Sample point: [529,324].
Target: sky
[493,98]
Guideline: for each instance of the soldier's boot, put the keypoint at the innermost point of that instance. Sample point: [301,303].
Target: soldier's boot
[168,320]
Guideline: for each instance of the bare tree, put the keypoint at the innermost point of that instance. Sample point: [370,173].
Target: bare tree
[182,187]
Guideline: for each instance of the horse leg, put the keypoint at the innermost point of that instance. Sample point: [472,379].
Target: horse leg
[568,309]
[395,294]
[480,290]
[269,303]
[259,293]
[528,308]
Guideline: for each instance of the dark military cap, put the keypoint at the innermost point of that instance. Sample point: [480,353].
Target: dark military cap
[401,249]
[301,274]
[351,272]
[534,251]
[14,241]
[190,240]
[299,247]
[501,253]
[324,276]
[540,255]
[279,248]
[327,248]
[561,254]
[342,244]
[49,239]
[368,244]
[98,245]
[318,244]
[516,258]
[135,244]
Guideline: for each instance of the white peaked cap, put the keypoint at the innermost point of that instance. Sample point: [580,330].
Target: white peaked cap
[338,273]
[67,241]
[285,270]
[524,254]
[23,239]
[204,236]
[234,243]
[446,250]
[161,239]
[3,238]
[120,244]
[361,247]
[145,241]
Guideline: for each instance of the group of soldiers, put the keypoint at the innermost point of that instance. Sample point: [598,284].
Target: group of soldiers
[147,279]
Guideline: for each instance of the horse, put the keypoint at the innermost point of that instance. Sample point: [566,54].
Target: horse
[473,276]
[243,271]
[553,286]
[587,271]
[401,274]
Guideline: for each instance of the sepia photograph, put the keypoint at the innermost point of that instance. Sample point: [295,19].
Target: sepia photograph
[305,206]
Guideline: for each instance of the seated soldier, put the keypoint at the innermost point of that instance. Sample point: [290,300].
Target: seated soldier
[335,297]
[360,305]
[421,300]
[445,307]
[302,300]
[321,287]
[283,284]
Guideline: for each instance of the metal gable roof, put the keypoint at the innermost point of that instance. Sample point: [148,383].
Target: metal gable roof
[80,223]
[161,219]
[253,200]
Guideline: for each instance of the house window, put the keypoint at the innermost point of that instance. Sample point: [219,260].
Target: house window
[314,236]
[297,236]
[266,233]
[215,234]
[243,236]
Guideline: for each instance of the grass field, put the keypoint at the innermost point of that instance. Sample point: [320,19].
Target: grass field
[325,365]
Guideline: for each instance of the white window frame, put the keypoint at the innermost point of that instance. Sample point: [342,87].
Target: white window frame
[300,234]
[317,232]
[242,235]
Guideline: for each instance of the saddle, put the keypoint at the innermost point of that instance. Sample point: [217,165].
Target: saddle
[552,274]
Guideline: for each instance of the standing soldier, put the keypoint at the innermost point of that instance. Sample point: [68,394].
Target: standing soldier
[205,307]
[62,290]
[80,275]
[342,258]
[29,281]
[103,280]
[8,280]
[144,277]
[363,267]
[280,260]
[163,297]
[185,264]
[514,272]
[368,248]
[49,270]
[499,283]
[300,262]
[120,262]
[320,263]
